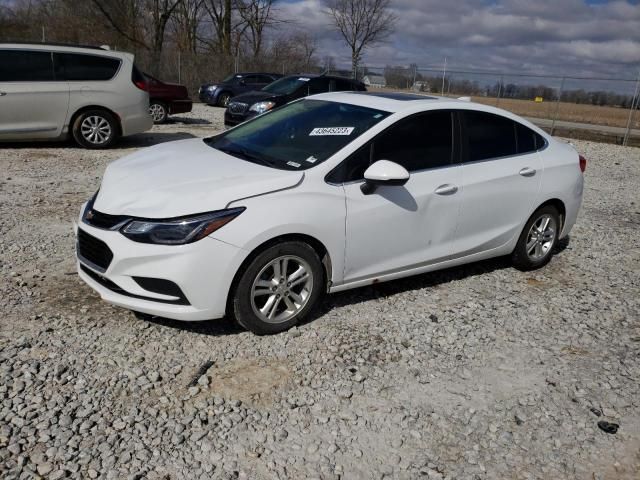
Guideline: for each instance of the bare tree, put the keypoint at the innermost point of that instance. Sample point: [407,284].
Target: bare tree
[362,23]
[186,22]
[125,16]
[258,15]
[220,13]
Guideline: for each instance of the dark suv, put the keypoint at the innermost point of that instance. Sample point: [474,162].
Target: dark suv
[284,90]
[219,94]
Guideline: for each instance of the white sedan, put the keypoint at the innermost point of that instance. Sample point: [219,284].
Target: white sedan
[328,193]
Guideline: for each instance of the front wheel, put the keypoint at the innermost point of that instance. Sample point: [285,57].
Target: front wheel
[223,99]
[537,240]
[278,288]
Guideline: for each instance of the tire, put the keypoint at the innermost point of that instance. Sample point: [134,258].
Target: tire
[158,112]
[534,248]
[286,303]
[95,129]
[223,99]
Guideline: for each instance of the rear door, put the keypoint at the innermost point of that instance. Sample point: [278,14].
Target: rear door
[501,177]
[33,103]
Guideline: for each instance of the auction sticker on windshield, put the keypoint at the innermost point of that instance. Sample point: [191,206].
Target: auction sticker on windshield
[317,132]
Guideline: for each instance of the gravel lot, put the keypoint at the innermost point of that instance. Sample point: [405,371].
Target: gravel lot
[479,372]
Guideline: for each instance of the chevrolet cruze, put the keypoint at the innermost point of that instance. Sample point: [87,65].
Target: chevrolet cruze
[328,193]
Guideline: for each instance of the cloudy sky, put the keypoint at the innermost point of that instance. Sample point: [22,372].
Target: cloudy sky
[575,37]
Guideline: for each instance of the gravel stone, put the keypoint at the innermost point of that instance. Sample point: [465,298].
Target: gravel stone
[476,372]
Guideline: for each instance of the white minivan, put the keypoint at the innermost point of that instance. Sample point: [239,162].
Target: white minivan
[50,92]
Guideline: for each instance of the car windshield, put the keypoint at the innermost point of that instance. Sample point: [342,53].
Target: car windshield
[299,135]
[229,78]
[285,86]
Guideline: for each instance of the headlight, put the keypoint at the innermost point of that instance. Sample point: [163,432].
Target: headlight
[180,230]
[262,107]
[211,88]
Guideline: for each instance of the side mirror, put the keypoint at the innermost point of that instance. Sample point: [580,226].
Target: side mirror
[242,82]
[383,172]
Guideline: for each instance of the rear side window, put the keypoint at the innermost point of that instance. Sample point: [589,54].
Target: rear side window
[344,85]
[79,67]
[25,66]
[527,140]
[489,136]
[318,85]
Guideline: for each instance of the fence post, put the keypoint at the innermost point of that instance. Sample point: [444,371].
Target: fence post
[179,67]
[634,106]
[555,115]
[499,89]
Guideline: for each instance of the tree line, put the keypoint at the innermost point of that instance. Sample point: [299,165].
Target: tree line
[198,40]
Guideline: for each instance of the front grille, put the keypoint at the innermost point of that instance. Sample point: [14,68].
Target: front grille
[93,251]
[237,108]
[103,220]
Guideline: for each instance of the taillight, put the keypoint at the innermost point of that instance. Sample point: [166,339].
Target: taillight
[141,84]
[583,163]
[139,80]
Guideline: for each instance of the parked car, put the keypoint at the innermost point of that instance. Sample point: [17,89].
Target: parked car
[328,193]
[166,99]
[219,94]
[52,91]
[284,90]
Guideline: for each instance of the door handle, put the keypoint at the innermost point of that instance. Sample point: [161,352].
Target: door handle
[2,94]
[527,172]
[446,189]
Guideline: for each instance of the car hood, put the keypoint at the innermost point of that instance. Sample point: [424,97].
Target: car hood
[182,178]
[256,96]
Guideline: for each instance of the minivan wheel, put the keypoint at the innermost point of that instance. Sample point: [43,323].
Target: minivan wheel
[95,129]
[158,112]
[278,288]
[537,240]
[223,99]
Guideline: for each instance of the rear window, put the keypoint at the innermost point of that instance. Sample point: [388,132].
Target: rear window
[25,66]
[79,67]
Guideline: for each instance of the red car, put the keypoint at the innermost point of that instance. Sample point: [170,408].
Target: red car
[167,99]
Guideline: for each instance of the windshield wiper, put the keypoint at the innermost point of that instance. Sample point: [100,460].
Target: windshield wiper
[246,154]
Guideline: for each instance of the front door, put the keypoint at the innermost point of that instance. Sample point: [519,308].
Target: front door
[402,227]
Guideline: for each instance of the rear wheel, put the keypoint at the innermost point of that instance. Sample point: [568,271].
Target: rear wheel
[537,240]
[95,129]
[158,112]
[223,99]
[278,288]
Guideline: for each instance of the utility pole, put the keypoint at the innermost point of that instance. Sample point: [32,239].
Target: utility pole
[444,74]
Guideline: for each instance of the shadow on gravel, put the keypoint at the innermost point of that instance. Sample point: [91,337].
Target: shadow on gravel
[223,326]
[425,280]
[134,141]
[187,121]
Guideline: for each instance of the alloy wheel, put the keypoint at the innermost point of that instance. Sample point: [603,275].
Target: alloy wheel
[157,112]
[96,130]
[281,289]
[541,237]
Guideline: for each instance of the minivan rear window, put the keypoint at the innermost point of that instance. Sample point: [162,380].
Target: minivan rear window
[25,66]
[79,67]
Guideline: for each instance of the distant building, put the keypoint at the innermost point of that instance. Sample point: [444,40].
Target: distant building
[421,86]
[376,81]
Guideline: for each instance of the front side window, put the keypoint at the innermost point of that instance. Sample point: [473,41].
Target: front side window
[298,136]
[419,142]
[79,67]
[25,66]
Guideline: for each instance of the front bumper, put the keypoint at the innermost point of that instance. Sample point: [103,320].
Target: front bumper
[231,120]
[202,270]
[208,97]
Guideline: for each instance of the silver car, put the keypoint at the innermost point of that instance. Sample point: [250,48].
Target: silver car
[50,92]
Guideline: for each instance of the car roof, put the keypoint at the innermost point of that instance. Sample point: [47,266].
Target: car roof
[64,47]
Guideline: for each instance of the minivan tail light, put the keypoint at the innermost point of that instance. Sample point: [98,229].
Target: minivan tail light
[142,85]
[583,163]
[139,80]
